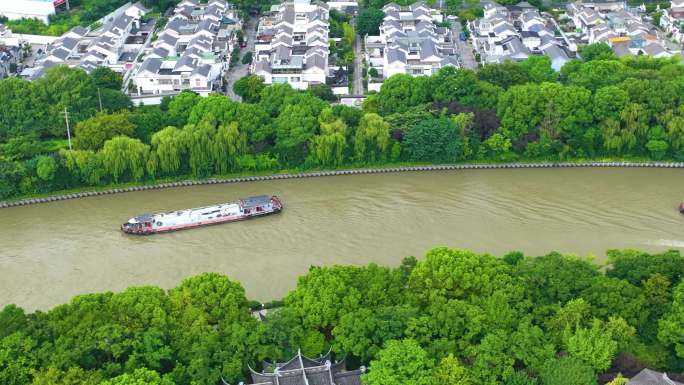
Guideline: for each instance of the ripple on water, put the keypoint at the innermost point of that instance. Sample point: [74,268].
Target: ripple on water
[53,251]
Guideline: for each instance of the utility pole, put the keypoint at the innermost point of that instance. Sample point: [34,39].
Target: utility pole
[99,98]
[66,118]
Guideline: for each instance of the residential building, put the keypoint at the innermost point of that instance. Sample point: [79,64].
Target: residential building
[516,32]
[625,30]
[411,42]
[651,377]
[672,21]
[301,370]
[7,38]
[192,52]
[605,5]
[28,9]
[10,52]
[292,44]
[115,44]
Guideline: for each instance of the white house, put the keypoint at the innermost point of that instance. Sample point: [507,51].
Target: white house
[292,45]
[192,52]
[410,42]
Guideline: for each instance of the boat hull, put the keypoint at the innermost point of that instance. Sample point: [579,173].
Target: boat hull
[275,207]
[171,229]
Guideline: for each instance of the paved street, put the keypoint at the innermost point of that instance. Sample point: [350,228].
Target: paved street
[357,85]
[463,48]
[240,70]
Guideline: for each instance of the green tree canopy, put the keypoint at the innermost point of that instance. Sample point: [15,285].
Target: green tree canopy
[437,140]
[399,363]
[567,371]
[91,134]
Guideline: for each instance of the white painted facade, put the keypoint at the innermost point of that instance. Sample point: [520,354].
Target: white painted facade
[292,45]
[29,9]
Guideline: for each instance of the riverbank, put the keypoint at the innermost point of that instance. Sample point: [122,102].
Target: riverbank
[253,177]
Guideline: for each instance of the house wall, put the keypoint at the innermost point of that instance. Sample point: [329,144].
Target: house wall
[17,9]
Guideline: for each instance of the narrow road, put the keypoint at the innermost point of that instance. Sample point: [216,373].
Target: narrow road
[128,75]
[357,85]
[241,70]
[463,48]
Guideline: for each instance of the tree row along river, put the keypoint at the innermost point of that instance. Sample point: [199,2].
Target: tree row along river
[51,252]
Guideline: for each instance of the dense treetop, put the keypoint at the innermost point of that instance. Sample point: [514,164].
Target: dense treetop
[599,108]
[454,317]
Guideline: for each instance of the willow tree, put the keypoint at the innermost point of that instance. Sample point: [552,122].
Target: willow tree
[85,166]
[229,144]
[199,139]
[169,147]
[329,147]
[125,156]
[673,121]
[372,139]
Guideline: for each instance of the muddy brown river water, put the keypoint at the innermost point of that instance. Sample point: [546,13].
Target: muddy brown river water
[51,252]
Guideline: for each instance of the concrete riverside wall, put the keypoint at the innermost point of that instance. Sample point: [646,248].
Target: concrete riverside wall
[445,167]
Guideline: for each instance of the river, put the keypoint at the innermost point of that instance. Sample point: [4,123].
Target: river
[51,252]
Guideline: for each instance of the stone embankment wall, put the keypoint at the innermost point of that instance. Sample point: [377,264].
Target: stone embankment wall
[30,201]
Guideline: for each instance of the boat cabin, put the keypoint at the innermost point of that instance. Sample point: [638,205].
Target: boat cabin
[255,204]
[140,224]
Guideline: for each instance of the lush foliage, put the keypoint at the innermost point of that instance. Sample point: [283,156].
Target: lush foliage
[83,12]
[456,318]
[602,107]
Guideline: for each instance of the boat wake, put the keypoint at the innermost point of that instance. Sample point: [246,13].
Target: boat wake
[668,243]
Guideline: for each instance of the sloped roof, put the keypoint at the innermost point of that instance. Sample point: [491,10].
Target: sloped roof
[315,61]
[394,55]
[161,52]
[79,31]
[151,65]
[186,61]
[653,49]
[202,70]
[651,377]
[301,370]
[61,53]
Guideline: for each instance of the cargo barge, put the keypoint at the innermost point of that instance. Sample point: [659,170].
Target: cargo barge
[245,208]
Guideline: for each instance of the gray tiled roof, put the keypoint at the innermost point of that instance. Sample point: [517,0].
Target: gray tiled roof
[202,70]
[161,52]
[315,61]
[175,24]
[263,66]
[122,22]
[622,49]
[186,61]
[61,53]
[151,65]
[301,370]
[69,43]
[394,55]
[168,39]
[79,30]
[555,52]
[651,377]
[653,49]
[427,49]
